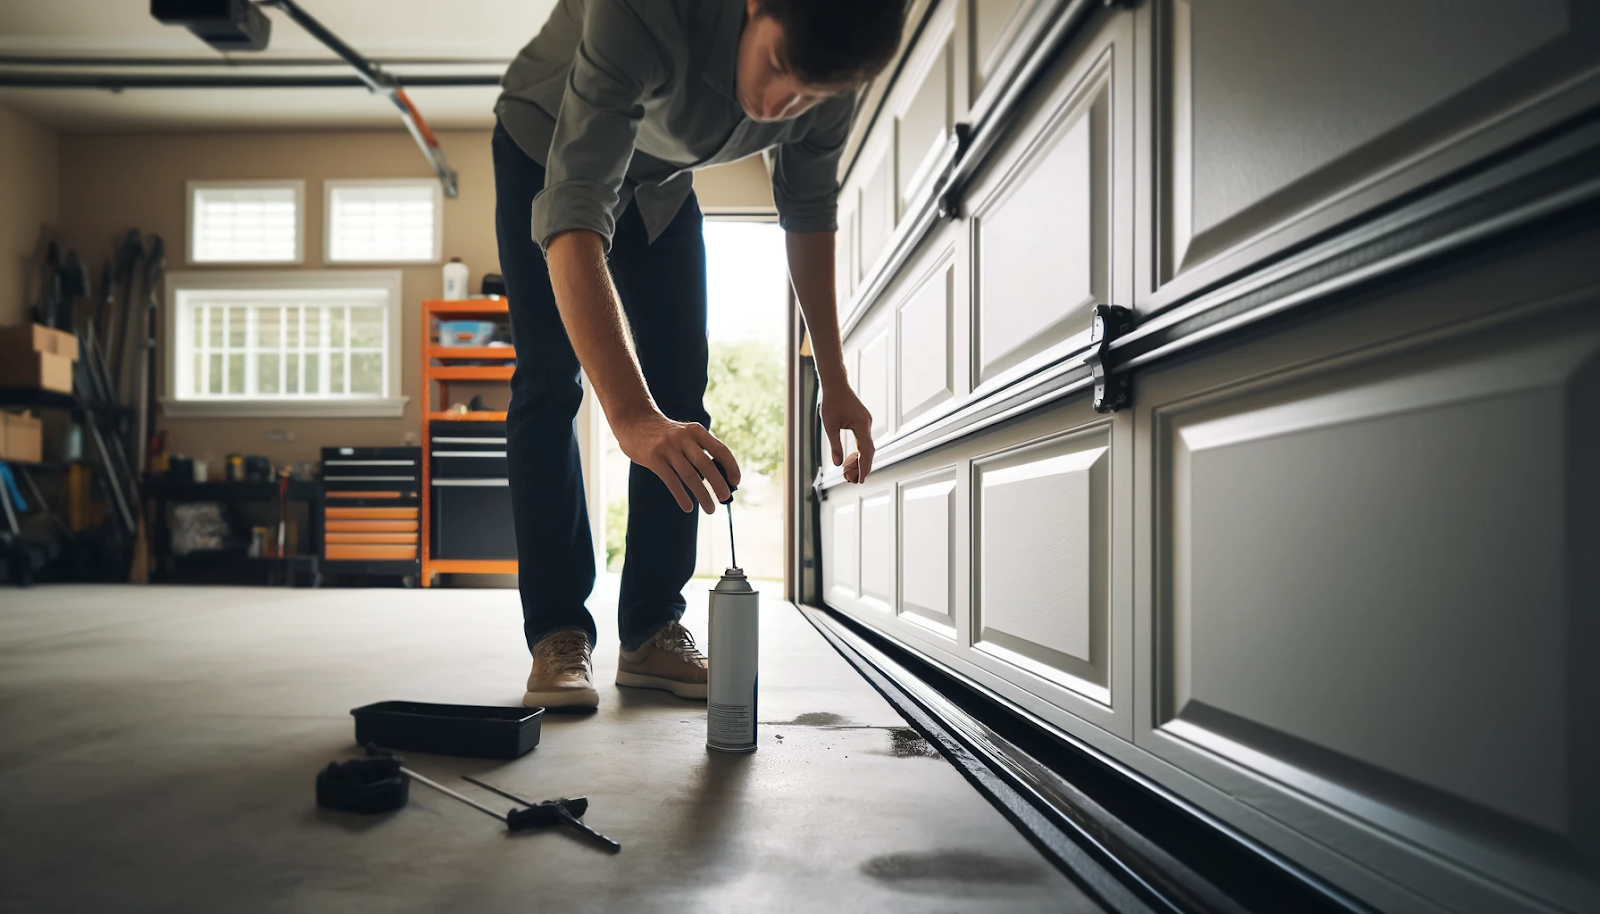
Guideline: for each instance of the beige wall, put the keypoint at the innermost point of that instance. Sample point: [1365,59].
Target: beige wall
[30,188]
[113,182]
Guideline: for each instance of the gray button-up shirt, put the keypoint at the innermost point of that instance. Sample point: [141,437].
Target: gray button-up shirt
[623,99]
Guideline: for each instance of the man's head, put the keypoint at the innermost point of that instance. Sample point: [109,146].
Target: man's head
[795,53]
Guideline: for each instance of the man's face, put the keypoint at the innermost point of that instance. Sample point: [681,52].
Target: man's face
[768,91]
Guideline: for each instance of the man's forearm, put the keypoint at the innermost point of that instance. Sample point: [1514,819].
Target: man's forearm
[592,313]
[811,270]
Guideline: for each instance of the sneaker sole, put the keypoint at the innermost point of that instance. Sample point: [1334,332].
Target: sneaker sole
[680,689]
[566,698]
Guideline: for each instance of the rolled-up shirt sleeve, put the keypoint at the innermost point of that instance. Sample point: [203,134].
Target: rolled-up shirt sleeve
[616,68]
[805,172]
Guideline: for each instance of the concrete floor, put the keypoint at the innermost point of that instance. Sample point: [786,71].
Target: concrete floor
[159,747]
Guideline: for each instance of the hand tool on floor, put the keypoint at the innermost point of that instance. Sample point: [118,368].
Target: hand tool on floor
[380,783]
[549,812]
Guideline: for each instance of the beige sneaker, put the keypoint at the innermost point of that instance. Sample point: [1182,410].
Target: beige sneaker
[563,674]
[669,660]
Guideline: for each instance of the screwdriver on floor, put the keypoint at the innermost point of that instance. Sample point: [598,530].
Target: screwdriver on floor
[550,812]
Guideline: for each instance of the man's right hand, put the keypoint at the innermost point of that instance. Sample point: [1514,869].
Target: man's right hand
[678,453]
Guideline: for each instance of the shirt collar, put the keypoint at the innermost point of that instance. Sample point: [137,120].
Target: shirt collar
[722,65]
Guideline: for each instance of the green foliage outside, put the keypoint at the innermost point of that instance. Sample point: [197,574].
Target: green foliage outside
[616,533]
[744,395]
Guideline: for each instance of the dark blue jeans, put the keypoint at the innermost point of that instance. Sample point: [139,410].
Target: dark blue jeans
[663,288]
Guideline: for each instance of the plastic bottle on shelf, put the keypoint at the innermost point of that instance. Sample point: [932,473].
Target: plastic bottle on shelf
[455,279]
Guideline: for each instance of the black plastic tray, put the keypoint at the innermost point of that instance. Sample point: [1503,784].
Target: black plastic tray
[478,731]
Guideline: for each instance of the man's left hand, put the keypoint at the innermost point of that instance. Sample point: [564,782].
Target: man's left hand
[842,409]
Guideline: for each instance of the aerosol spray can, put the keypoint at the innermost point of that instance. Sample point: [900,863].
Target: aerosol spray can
[735,639]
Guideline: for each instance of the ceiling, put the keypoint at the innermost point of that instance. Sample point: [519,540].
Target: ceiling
[410,37]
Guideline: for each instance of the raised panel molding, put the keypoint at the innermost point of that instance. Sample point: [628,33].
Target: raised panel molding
[927,356]
[1364,592]
[1255,135]
[995,24]
[844,554]
[878,550]
[1041,233]
[877,208]
[924,113]
[873,386]
[844,267]
[1041,561]
[927,536]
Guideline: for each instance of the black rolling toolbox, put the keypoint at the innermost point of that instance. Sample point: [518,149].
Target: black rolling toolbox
[471,508]
[372,512]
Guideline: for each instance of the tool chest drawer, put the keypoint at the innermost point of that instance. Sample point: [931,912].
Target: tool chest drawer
[449,464]
[381,473]
[372,506]
[471,519]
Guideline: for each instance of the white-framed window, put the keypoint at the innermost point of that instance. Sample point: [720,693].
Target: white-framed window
[246,222]
[382,221]
[302,343]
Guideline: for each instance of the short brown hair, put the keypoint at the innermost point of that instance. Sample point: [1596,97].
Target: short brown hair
[837,42]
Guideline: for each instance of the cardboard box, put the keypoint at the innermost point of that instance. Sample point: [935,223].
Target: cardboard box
[21,438]
[33,355]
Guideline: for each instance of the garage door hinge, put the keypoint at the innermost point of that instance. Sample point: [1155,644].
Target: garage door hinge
[1112,392]
[816,487]
[950,198]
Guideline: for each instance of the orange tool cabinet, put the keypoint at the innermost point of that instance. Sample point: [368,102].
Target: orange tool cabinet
[466,507]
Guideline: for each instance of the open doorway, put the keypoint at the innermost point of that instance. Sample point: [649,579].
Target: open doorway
[747,324]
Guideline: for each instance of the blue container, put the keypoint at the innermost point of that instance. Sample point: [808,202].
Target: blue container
[465,333]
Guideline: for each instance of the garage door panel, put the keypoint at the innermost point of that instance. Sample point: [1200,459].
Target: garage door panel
[1041,233]
[1243,164]
[928,528]
[878,549]
[1006,560]
[843,550]
[924,111]
[877,204]
[927,356]
[873,382]
[1041,561]
[1364,593]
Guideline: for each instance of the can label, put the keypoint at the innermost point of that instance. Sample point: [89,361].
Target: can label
[731,692]
[732,725]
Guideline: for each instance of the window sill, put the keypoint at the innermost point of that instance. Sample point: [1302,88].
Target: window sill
[374,408]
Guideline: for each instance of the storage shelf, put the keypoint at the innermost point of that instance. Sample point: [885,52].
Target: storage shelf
[467,306]
[471,352]
[480,416]
[470,372]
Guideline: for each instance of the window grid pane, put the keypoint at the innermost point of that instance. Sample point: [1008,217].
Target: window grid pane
[319,346]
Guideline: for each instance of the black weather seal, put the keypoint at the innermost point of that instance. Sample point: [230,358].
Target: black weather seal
[1155,847]
[1067,851]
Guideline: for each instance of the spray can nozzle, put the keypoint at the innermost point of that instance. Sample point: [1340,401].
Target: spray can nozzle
[733,554]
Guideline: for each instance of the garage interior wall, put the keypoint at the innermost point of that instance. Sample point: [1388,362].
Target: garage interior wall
[30,188]
[113,182]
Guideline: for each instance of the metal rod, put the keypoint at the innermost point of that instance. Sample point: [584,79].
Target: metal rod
[451,793]
[379,80]
[492,789]
[112,82]
[238,63]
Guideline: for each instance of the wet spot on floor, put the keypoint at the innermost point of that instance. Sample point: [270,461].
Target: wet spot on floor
[813,719]
[915,872]
[905,742]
